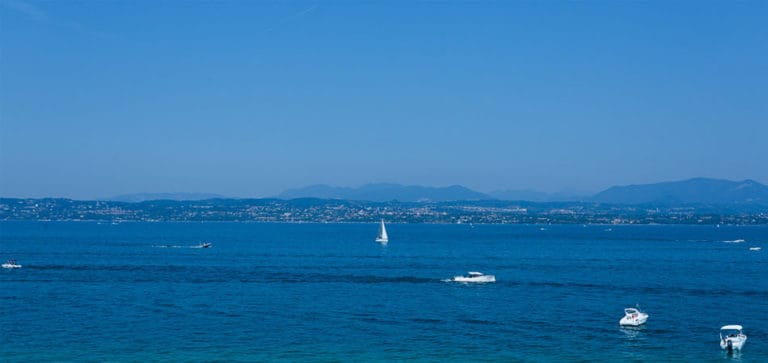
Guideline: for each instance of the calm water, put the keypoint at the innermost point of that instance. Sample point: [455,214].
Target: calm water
[327,292]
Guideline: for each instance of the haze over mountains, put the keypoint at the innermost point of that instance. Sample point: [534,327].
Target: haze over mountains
[697,190]
[537,196]
[141,197]
[690,191]
[383,192]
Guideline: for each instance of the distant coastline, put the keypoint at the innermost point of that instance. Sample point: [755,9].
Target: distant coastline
[310,210]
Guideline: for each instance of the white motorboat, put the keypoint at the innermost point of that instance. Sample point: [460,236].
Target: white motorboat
[755,248]
[474,276]
[633,317]
[732,338]
[205,245]
[11,264]
[382,236]
[735,241]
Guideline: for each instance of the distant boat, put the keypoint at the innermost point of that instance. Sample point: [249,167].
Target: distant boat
[633,317]
[11,264]
[732,338]
[474,276]
[382,237]
[735,241]
[204,245]
[755,248]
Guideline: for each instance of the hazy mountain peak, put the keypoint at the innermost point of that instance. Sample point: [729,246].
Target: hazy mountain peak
[695,190]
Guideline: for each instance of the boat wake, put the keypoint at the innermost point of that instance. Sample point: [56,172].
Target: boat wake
[356,279]
[177,246]
[735,241]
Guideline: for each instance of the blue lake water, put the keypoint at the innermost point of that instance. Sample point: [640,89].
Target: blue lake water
[328,292]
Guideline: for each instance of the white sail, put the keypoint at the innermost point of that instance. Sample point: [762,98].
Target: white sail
[382,237]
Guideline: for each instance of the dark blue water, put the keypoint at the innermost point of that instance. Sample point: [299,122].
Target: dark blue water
[327,292]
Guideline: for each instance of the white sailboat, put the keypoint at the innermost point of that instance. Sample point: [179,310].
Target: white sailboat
[382,237]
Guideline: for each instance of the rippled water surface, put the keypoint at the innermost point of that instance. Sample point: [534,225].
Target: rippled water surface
[328,292]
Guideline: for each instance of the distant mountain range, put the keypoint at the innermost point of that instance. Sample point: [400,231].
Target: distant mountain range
[697,190]
[141,197]
[691,191]
[383,192]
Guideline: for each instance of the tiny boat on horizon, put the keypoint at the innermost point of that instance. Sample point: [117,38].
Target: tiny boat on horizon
[474,276]
[633,317]
[204,245]
[732,338]
[755,248]
[11,264]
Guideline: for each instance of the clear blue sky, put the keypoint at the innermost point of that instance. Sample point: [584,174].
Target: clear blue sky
[249,98]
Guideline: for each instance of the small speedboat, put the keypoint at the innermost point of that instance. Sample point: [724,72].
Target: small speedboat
[633,317]
[755,248]
[732,338]
[474,276]
[204,245]
[11,264]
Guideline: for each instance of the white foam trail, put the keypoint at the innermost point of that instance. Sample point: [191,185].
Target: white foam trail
[735,241]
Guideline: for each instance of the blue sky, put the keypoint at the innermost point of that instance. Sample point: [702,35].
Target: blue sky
[247,99]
